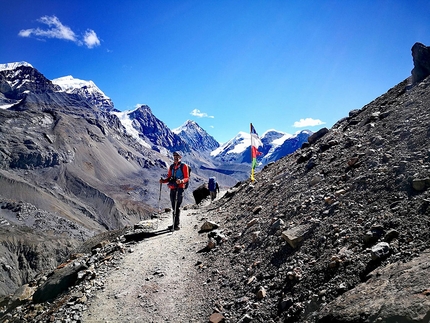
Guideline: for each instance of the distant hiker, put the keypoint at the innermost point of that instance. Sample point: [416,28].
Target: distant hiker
[177,177]
[213,187]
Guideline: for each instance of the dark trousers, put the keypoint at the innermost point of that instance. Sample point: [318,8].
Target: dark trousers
[176,199]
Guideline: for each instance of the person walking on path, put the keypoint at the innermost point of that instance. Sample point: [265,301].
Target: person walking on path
[213,187]
[177,177]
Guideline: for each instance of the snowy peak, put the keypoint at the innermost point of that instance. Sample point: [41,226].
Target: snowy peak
[282,146]
[141,123]
[271,135]
[12,66]
[17,80]
[85,89]
[69,84]
[236,149]
[188,126]
[196,137]
[276,145]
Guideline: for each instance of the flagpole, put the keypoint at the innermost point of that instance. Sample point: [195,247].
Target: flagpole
[252,156]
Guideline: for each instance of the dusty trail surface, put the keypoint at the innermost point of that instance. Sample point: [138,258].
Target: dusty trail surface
[158,281]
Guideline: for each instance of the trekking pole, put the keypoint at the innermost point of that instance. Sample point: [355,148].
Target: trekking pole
[159,207]
[174,211]
[159,199]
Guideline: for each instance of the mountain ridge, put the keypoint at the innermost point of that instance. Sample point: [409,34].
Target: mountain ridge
[142,115]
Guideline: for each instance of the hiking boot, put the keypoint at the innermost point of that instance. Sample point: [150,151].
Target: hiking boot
[177,228]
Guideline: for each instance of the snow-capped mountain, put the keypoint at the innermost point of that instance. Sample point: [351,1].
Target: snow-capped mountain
[86,89]
[235,150]
[196,137]
[141,123]
[12,66]
[276,145]
[18,80]
[22,81]
[22,78]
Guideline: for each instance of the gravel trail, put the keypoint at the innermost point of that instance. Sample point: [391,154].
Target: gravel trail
[159,280]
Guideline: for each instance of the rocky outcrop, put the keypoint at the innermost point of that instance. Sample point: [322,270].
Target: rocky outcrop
[421,58]
[17,82]
[70,284]
[25,254]
[399,292]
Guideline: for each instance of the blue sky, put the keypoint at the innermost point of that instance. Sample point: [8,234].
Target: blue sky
[284,65]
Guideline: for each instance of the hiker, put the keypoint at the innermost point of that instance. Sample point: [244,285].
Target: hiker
[177,177]
[213,187]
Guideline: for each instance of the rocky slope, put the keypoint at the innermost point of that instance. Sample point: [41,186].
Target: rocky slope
[340,230]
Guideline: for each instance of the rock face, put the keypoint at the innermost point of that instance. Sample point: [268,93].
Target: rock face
[421,57]
[156,131]
[197,138]
[399,290]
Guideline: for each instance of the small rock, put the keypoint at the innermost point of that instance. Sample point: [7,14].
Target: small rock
[209,226]
[380,250]
[245,319]
[257,209]
[261,293]
[252,222]
[216,318]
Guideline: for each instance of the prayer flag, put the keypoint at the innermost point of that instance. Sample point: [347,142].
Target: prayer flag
[255,143]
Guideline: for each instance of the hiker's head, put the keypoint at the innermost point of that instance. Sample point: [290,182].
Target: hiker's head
[176,156]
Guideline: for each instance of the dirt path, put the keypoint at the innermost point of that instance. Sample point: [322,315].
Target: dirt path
[158,281]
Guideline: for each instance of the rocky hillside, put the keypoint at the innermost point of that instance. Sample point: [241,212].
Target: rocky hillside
[340,230]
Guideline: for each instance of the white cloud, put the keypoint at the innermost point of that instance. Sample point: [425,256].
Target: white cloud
[308,122]
[56,30]
[59,31]
[26,32]
[91,39]
[197,113]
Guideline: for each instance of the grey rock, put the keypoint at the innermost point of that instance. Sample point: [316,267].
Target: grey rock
[295,235]
[397,292]
[58,283]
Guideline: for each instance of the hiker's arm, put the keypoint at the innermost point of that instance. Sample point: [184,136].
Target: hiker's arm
[166,180]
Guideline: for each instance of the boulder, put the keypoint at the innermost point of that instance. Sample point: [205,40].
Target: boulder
[200,193]
[295,235]
[60,280]
[421,58]
[317,135]
[398,292]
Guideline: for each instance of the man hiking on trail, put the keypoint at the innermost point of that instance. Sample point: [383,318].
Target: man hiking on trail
[177,177]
